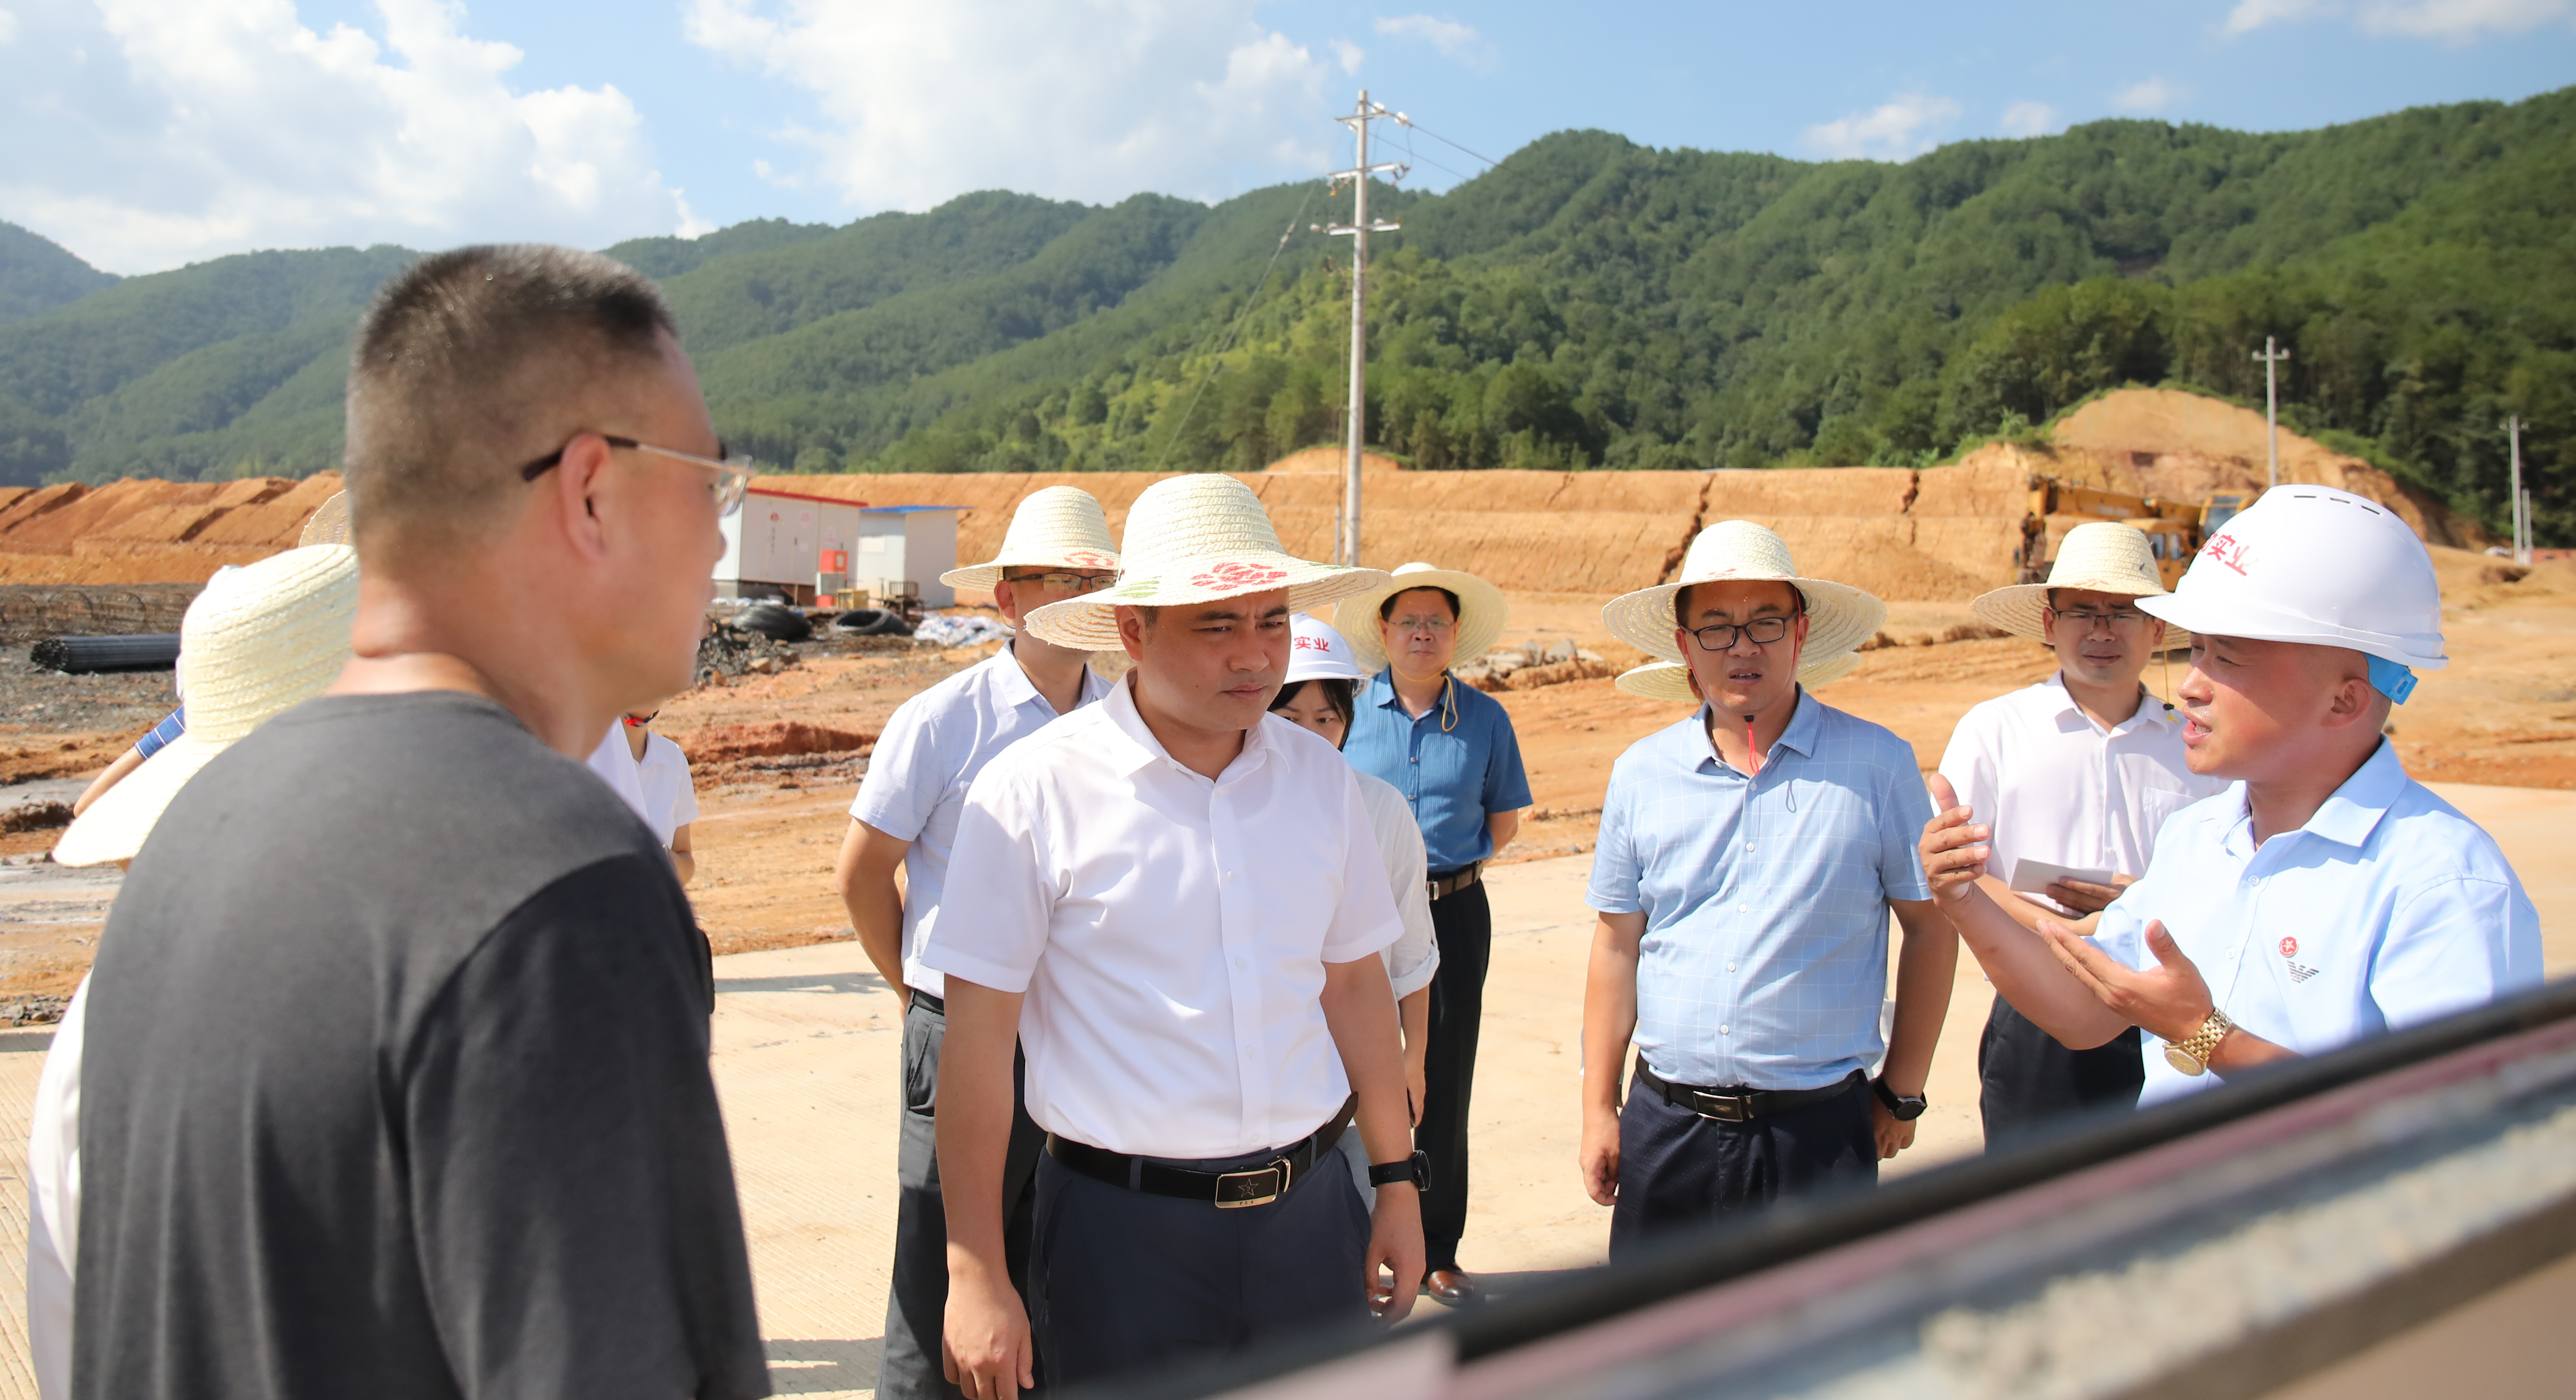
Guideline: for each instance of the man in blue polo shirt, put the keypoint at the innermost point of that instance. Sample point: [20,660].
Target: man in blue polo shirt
[1449,748]
[1749,858]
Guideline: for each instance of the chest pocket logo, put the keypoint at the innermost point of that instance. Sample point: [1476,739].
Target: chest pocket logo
[2299,971]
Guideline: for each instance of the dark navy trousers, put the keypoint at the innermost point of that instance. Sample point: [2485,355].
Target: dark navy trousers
[2028,1078]
[1122,1283]
[1463,927]
[1677,1169]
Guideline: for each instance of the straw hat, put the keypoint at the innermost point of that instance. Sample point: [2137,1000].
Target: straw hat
[1481,613]
[2105,556]
[1060,527]
[1840,617]
[273,636]
[1319,652]
[329,523]
[1195,539]
[1670,680]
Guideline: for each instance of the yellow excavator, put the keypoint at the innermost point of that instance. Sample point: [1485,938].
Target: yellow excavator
[2174,529]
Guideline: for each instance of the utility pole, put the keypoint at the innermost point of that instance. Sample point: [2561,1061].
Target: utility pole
[2521,503]
[1346,549]
[2272,359]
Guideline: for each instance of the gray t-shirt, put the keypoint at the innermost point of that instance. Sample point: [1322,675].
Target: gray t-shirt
[396,1084]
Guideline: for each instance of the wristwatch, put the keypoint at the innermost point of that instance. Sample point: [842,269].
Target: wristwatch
[2191,1055]
[1416,1169]
[1904,1108]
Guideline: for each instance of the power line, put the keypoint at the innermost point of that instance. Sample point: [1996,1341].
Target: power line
[1218,362]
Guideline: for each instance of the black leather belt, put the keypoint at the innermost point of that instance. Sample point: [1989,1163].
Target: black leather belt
[1740,1105]
[929,1001]
[1443,886]
[1247,1186]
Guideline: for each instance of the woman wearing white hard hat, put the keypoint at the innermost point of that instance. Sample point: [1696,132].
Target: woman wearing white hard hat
[1176,912]
[1322,674]
[2325,895]
[1450,749]
[2074,776]
[1749,858]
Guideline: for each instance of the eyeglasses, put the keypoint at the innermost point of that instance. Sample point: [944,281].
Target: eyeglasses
[733,474]
[2088,619]
[1763,630]
[1065,582]
[1433,623]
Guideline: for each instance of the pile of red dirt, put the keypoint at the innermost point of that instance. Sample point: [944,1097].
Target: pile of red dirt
[151,531]
[771,739]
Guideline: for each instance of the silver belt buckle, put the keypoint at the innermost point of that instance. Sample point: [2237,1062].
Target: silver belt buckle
[1725,1108]
[1278,1172]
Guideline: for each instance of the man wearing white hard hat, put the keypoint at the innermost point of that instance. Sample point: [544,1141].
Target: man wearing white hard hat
[259,640]
[2074,775]
[1450,749]
[1323,676]
[1178,908]
[2324,895]
[1749,858]
[905,817]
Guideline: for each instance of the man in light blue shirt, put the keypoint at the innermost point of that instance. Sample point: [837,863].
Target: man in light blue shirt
[1749,859]
[2325,896]
[1058,547]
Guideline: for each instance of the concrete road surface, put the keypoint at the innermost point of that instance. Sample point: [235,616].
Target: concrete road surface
[807,1051]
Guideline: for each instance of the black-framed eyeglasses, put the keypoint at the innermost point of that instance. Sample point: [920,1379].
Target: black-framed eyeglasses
[1763,630]
[731,484]
[2088,619]
[1065,582]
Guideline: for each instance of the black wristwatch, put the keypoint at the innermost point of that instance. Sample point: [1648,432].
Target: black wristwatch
[1416,1169]
[1904,1108]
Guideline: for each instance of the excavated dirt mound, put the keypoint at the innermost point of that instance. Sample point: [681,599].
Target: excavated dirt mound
[1332,459]
[773,739]
[151,531]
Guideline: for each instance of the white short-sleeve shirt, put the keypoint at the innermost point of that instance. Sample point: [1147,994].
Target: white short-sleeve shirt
[615,764]
[670,797]
[2387,909]
[1170,931]
[2057,787]
[918,774]
[1413,958]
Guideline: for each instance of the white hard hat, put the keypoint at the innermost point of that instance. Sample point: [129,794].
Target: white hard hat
[1318,653]
[2321,567]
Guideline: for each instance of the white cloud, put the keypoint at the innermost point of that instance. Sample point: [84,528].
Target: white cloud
[1447,35]
[1079,99]
[1899,130]
[2153,95]
[1349,55]
[8,26]
[2030,119]
[147,133]
[2454,21]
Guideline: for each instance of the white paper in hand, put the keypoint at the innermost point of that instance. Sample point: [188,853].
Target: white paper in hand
[2035,876]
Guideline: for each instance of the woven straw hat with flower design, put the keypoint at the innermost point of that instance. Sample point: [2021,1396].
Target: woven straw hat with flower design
[1061,527]
[1196,539]
[2104,556]
[259,641]
[1840,617]
[1670,680]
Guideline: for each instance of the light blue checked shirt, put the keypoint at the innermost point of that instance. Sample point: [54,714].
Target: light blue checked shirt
[1765,955]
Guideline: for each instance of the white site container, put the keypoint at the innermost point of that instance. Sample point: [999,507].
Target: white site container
[780,540]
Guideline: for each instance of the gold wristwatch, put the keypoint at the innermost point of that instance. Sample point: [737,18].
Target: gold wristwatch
[2191,1056]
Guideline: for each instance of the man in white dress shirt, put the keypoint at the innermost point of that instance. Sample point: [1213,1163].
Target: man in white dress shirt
[2077,772]
[1179,907]
[2323,897]
[906,814]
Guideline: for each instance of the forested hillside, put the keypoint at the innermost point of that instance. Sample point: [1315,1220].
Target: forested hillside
[1590,302]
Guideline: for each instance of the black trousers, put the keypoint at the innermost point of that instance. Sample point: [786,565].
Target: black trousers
[1122,1283]
[1677,1169]
[2027,1077]
[908,1367]
[1463,926]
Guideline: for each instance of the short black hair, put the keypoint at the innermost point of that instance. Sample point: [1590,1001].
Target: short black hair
[1681,600]
[460,366]
[1336,692]
[1386,605]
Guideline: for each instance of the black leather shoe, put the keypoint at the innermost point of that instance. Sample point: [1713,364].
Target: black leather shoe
[1450,1287]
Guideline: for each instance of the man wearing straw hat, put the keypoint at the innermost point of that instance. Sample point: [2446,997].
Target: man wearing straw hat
[395,1074]
[1748,859]
[1057,547]
[1450,749]
[1179,906]
[2075,774]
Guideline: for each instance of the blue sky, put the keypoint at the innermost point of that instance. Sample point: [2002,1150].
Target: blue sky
[144,134]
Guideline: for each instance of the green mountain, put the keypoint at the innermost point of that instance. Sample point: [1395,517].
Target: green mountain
[38,274]
[1588,303]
